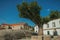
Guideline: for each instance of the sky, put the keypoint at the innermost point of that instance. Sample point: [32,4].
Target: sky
[9,12]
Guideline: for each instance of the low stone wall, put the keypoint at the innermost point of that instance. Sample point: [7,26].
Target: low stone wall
[45,38]
[36,38]
[56,38]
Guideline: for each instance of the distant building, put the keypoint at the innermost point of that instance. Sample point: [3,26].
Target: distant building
[52,27]
[19,26]
[36,29]
[4,26]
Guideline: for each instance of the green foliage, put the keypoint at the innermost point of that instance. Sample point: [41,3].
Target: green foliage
[23,9]
[54,15]
[35,7]
[30,11]
[46,19]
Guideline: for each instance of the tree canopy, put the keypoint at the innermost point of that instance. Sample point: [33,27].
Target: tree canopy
[46,19]
[30,11]
[54,14]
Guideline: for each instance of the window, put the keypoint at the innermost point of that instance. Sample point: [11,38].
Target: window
[9,27]
[47,25]
[36,31]
[59,22]
[53,24]
[21,27]
[55,33]
[48,32]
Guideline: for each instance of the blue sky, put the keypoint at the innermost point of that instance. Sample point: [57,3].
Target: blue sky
[9,12]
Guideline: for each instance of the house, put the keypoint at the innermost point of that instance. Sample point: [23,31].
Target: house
[19,26]
[4,26]
[52,27]
[36,29]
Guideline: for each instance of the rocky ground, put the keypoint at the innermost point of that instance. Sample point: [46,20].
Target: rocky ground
[8,34]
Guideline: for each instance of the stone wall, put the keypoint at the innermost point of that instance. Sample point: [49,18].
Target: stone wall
[36,38]
[45,38]
[56,38]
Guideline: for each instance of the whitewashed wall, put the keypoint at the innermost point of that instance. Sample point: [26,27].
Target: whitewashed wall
[36,29]
[17,27]
[50,28]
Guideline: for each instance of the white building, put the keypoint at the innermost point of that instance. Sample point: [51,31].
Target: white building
[36,29]
[51,26]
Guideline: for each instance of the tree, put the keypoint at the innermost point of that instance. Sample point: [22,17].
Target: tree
[46,19]
[54,14]
[30,11]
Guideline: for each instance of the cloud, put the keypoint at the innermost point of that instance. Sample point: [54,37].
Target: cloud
[48,9]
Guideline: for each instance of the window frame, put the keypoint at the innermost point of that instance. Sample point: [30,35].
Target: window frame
[47,25]
[53,24]
[48,33]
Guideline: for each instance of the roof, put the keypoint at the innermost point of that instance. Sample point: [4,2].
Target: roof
[14,24]
[5,24]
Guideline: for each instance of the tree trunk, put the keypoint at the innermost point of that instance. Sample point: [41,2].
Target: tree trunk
[40,33]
